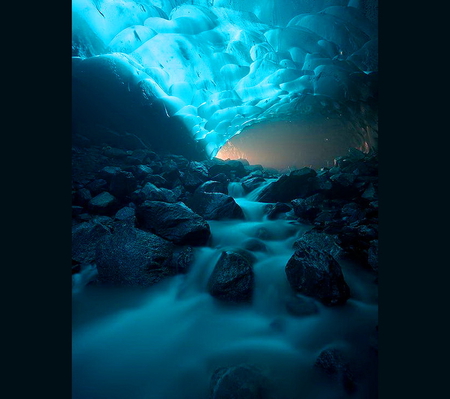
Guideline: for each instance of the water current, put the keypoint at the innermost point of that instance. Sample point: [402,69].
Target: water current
[164,342]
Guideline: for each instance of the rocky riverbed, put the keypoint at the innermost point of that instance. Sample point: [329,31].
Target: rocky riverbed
[286,263]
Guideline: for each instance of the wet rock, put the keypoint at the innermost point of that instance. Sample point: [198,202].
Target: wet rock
[316,274]
[133,257]
[243,381]
[125,213]
[142,171]
[182,260]
[232,279]
[353,212]
[157,180]
[149,192]
[321,242]
[221,177]
[108,172]
[174,222]
[195,175]
[308,208]
[300,305]
[220,168]
[85,237]
[252,183]
[122,184]
[297,184]
[215,206]
[103,203]
[326,215]
[238,167]
[277,209]
[212,186]
[97,186]
[332,363]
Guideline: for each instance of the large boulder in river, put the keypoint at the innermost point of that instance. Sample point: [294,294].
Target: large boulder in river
[133,257]
[317,274]
[232,279]
[297,184]
[215,206]
[174,222]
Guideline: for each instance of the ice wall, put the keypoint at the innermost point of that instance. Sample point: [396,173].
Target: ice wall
[199,72]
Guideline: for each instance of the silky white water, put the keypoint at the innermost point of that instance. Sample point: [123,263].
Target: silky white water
[165,342]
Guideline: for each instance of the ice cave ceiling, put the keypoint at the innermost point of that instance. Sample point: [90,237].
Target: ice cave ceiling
[190,76]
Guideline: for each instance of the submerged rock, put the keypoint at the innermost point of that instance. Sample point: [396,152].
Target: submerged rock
[243,381]
[174,222]
[317,274]
[300,305]
[232,279]
[333,364]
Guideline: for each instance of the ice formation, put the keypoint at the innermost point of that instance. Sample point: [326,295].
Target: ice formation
[208,69]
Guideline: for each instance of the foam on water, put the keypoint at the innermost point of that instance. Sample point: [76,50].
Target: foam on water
[166,341]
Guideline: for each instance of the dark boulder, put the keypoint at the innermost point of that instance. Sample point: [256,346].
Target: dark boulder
[252,183]
[331,362]
[353,212]
[133,257]
[141,171]
[174,222]
[108,172]
[298,184]
[97,186]
[215,206]
[195,174]
[103,203]
[308,208]
[243,381]
[85,237]
[232,279]
[126,213]
[277,209]
[157,180]
[317,274]
[212,186]
[122,184]
[220,168]
[149,192]
[321,242]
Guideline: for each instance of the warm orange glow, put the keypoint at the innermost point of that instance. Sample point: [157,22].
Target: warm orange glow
[313,142]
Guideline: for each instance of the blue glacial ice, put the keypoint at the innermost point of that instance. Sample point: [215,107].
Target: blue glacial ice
[214,68]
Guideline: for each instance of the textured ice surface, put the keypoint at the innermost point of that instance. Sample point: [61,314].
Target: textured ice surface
[219,66]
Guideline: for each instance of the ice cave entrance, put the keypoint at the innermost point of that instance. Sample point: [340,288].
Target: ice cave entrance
[287,144]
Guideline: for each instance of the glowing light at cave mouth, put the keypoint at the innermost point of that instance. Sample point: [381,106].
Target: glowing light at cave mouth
[281,145]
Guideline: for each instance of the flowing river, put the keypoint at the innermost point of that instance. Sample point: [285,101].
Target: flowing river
[165,342]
